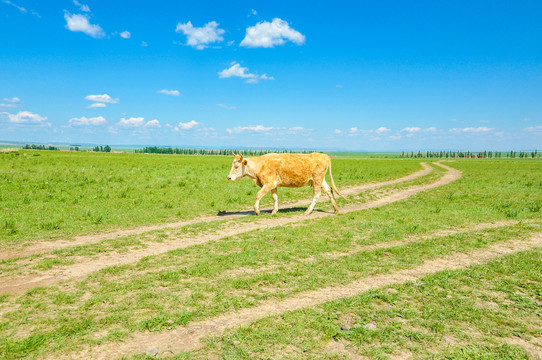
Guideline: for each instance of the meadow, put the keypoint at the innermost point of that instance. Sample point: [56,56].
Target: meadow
[52,194]
[452,272]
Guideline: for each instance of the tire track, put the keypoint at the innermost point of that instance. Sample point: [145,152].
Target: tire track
[47,246]
[188,338]
[18,285]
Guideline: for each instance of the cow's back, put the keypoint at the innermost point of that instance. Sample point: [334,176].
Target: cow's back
[292,170]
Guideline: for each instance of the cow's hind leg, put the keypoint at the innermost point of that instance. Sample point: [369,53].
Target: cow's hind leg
[259,196]
[275,194]
[316,194]
[329,193]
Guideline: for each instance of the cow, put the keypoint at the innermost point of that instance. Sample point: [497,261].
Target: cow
[273,170]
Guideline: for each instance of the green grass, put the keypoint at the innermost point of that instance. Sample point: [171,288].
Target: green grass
[474,313]
[51,194]
[185,285]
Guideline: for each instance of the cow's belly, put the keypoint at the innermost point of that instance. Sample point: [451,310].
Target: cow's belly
[293,183]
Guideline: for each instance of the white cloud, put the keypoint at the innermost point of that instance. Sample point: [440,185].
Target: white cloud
[337,132]
[11,103]
[82,7]
[125,34]
[253,12]
[534,129]
[153,123]
[21,9]
[102,98]
[235,70]
[250,129]
[481,129]
[412,129]
[200,37]
[354,131]
[253,129]
[187,125]
[79,22]
[169,92]
[431,129]
[26,117]
[84,121]
[131,122]
[265,77]
[268,34]
[227,107]
[382,130]
[144,44]
[96,105]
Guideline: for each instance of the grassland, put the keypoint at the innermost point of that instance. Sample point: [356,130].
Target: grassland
[49,195]
[486,311]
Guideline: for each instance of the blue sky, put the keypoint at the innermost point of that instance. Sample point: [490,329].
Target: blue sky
[390,75]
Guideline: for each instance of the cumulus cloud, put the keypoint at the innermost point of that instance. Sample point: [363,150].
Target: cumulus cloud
[84,121]
[11,103]
[236,70]
[202,36]
[144,44]
[249,129]
[82,7]
[338,132]
[131,122]
[269,34]
[227,107]
[96,105]
[382,130]
[169,92]
[153,123]
[412,129]
[79,22]
[187,125]
[23,117]
[102,98]
[125,34]
[481,129]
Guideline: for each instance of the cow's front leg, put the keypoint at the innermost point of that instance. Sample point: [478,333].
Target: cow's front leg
[275,194]
[260,195]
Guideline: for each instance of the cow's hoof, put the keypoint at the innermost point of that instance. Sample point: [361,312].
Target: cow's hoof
[257,212]
[307,213]
[274,211]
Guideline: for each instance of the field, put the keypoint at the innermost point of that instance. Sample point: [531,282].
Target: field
[143,256]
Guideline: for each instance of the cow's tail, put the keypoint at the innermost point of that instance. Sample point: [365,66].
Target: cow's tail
[333,187]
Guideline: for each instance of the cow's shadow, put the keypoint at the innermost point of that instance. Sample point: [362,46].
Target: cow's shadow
[296,209]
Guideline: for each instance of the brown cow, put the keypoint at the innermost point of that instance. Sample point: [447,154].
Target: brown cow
[288,170]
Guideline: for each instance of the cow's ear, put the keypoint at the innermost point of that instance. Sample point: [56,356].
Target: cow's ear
[245,162]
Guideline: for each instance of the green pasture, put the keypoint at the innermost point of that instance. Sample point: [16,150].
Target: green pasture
[442,316]
[52,194]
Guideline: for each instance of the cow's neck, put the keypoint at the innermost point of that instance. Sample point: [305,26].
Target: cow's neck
[251,171]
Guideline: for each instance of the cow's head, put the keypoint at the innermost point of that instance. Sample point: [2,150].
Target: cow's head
[238,167]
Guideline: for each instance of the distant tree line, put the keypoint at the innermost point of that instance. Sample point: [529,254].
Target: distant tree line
[100,148]
[39,147]
[469,154]
[178,151]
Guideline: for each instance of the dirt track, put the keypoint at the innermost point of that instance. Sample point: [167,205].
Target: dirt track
[188,338]
[45,246]
[18,285]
